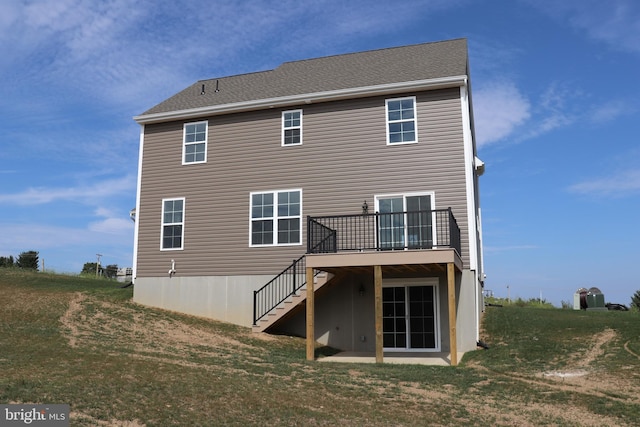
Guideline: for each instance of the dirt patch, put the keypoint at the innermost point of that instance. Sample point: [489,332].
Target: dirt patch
[581,374]
[90,323]
[88,419]
[631,352]
[68,319]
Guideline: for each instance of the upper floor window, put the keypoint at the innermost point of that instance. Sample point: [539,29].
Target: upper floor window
[172,224]
[195,142]
[401,121]
[292,127]
[276,218]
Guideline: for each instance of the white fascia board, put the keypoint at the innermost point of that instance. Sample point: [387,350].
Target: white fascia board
[306,98]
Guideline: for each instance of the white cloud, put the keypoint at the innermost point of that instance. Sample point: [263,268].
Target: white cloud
[614,22]
[112,226]
[91,194]
[113,222]
[621,184]
[499,109]
[609,111]
[493,249]
[22,237]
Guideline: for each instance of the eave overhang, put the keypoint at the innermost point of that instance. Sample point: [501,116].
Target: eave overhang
[306,98]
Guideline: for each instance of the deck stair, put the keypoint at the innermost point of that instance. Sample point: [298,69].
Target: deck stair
[284,293]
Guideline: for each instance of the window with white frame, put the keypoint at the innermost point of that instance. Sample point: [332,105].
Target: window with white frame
[276,218]
[172,224]
[292,127]
[401,121]
[195,142]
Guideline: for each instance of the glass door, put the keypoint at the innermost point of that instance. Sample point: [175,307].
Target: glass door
[409,318]
[419,222]
[405,222]
[391,223]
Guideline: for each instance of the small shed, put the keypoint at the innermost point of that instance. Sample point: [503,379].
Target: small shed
[595,299]
[588,299]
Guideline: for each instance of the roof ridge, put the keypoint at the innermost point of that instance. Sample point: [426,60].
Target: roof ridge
[365,52]
[236,75]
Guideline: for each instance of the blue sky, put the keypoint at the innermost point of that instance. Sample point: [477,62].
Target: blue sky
[555,94]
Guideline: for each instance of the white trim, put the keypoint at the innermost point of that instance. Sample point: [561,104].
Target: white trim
[469,156]
[162,224]
[415,119]
[275,218]
[472,218]
[136,226]
[307,98]
[424,281]
[184,141]
[291,127]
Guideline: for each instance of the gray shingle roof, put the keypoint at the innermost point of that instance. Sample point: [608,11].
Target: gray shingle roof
[355,70]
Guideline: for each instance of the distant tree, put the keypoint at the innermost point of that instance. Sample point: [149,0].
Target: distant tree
[28,260]
[89,268]
[566,305]
[635,300]
[7,261]
[110,271]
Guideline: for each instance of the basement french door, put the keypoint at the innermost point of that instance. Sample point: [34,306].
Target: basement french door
[406,221]
[409,318]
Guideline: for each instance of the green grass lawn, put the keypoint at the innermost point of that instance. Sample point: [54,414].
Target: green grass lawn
[83,342]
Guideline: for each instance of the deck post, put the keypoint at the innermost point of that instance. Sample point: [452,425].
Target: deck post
[451,287]
[377,285]
[311,341]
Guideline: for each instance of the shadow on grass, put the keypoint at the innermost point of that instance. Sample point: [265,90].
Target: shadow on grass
[326,351]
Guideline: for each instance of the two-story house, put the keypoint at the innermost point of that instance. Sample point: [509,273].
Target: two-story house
[334,198]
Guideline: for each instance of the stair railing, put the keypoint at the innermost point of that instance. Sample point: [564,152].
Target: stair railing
[281,287]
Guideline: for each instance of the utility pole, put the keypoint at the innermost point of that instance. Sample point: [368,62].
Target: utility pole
[98,264]
[508,294]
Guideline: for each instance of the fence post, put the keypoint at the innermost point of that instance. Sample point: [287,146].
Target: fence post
[255,299]
[377,231]
[309,232]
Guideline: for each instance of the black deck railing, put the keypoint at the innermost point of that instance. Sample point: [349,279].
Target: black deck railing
[285,284]
[365,232]
[429,229]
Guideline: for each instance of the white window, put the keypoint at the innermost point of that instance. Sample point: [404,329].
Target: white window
[172,224]
[276,218]
[195,143]
[401,121]
[292,127]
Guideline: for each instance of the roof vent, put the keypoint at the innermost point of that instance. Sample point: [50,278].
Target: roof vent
[217,86]
[202,91]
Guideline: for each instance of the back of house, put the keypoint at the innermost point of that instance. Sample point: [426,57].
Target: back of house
[319,161]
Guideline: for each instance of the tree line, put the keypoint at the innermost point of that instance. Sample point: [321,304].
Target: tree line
[30,260]
[93,268]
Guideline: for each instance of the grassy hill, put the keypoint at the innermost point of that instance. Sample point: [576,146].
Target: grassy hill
[83,342]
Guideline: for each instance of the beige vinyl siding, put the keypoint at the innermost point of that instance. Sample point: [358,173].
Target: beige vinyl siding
[344,160]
